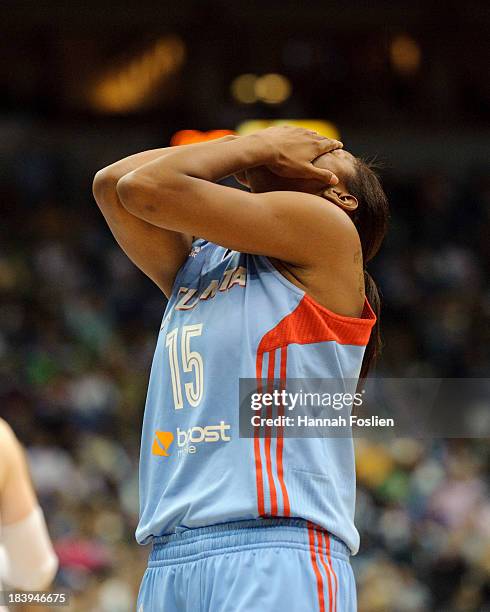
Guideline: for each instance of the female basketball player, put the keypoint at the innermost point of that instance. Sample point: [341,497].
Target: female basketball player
[27,560]
[272,288]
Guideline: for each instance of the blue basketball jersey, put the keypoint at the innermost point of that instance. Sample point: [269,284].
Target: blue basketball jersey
[234,315]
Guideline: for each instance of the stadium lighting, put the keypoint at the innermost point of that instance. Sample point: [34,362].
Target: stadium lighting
[273,88]
[128,87]
[325,128]
[243,88]
[183,137]
[405,54]
[270,88]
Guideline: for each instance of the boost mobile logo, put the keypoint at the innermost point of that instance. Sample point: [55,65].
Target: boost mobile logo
[188,438]
[210,433]
[161,443]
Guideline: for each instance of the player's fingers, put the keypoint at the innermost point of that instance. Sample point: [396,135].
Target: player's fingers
[326,176]
[328,144]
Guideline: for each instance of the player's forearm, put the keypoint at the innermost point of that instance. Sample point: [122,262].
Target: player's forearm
[118,169]
[166,186]
[106,179]
[208,161]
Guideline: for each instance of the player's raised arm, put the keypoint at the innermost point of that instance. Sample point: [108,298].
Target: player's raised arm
[178,192]
[158,252]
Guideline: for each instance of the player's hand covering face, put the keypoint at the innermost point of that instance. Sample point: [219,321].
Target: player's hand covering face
[340,162]
[294,151]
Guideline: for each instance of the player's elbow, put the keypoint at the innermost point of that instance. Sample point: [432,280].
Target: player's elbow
[104,187]
[140,195]
[129,192]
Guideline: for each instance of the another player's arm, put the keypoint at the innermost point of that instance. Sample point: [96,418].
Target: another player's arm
[31,561]
[17,497]
[178,192]
[158,252]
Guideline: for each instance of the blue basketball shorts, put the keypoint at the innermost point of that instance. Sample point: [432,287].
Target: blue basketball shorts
[265,565]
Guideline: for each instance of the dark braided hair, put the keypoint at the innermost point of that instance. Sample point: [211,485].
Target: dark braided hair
[371,220]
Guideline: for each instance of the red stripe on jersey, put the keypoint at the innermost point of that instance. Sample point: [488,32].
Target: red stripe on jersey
[319,540]
[259,478]
[268,441]
[319,579]
[280,438]
[329,560]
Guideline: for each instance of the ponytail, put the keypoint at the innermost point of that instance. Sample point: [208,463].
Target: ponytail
[373,347]
[371,220]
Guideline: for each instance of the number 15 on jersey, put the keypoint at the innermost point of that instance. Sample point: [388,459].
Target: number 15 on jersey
[190,361]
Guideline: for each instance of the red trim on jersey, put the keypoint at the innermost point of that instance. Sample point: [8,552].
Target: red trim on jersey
[311,322]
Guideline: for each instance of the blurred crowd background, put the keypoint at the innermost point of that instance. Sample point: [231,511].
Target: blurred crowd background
[86,85]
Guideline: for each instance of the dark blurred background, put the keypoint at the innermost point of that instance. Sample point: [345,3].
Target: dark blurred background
[84,85]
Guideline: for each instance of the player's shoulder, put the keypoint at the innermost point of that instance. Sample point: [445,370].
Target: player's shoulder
[327,227]
[319,207]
